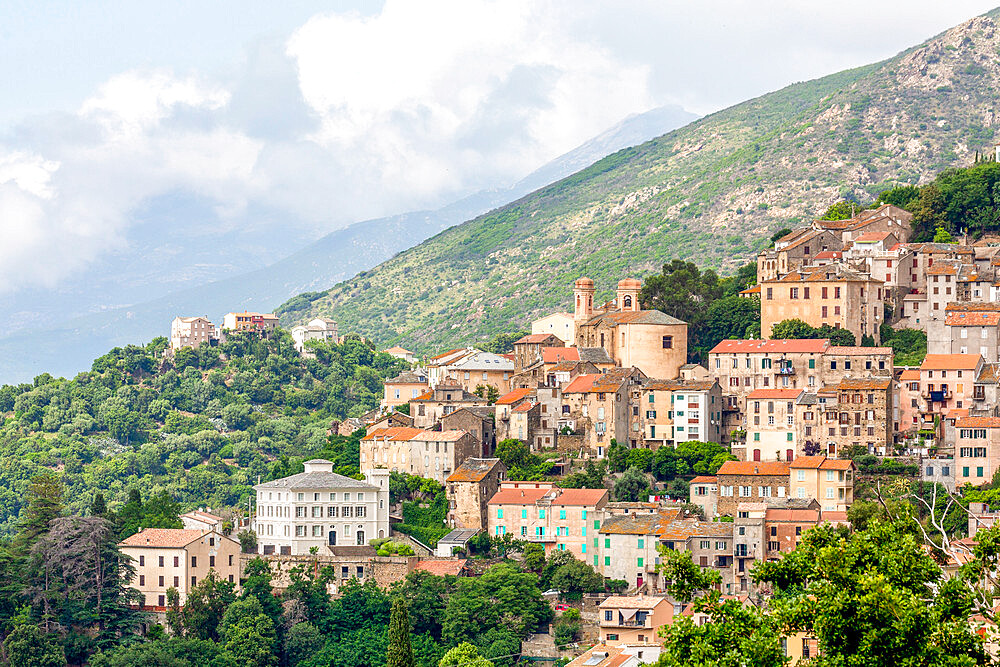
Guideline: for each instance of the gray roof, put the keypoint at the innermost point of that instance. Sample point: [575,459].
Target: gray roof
[315,480]
[595,355]
[459,536]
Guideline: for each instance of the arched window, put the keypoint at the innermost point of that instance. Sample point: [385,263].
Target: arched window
[627,302]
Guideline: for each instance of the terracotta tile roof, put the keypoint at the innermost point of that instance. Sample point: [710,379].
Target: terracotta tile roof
[858,350]
[942,268]
[807,462]
[397,350]
[605,383]
[633,602]
[827,254]
[447,354]
[514,396]
[753,468]
[797,516]
[682,529]
[990,373]
[614,657]
[865,383]
[581,497]
[911,374]
[565,367]
[163,538]
[801,345]
[534,338]
[972,319]
[934,362]
[474,470]
[837,464]
[781,394]
[638,524]
[394,434]
[957,413]
[526,406]
[972,307]
[441,567]
[753,290]
[834,516]
[704,479]
[522,496]
[581,384]
[426,396]
[978,422]
[554,355]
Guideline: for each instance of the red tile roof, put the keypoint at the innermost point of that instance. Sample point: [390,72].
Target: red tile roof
[704,479]
[165,538]
[473,470]
[815,345]
[753,468]
[872,237]
[972,319]
[519,496]
[514,396]
[582,384]
[978,422]
[394,433]
[524,407]
[553,355]
[583,497]
[910,374]
[934,362]
[781,394]
[533,338]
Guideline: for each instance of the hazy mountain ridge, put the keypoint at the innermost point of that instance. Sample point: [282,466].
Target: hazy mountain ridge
[710,191]
[69,347]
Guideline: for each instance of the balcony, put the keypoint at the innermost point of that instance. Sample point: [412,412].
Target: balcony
[937,396]
[622,623]
[785,370]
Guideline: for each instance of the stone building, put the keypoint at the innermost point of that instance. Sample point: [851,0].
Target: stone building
[784,527]
[420,452]
[248,321]
[864,415]
[834,295]
[597,406]
[192,332]
[528,349]
[703,491]
[668,412]
[750,481]
[793,250]
[470,489]
[649,340]
[428,408]
[477,421]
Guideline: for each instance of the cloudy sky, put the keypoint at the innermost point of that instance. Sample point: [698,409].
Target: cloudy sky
[328,113]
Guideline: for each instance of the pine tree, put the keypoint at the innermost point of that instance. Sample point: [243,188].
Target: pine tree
[399,652]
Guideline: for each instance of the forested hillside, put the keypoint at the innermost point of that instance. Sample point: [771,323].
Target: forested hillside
[713,192]
[203,427]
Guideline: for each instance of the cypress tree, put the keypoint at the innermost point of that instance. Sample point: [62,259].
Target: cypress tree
[399,652]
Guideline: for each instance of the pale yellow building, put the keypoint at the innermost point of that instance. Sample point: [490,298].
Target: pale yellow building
[829,481]
[248,321]
[178,558]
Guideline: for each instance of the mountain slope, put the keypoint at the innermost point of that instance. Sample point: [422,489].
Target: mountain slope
[70,346]
[711,191]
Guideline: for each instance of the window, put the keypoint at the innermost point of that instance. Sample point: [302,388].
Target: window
[746,491]
[562,515]
[161,561]
[499,512]
[194,561]
[668,342]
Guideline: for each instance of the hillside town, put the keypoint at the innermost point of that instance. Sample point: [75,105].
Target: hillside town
[791,413]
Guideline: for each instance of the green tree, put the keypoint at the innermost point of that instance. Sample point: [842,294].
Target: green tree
[206,603]
[464,655]
[842,210]
[514,453]
[793,328]
[632,486]
[683,578]
[28,646]
[301,641]
[576,577]
[399,652]
[941,235]
[45,503]
[248,633]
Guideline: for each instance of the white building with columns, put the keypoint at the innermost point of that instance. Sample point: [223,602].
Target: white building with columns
[319,508]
